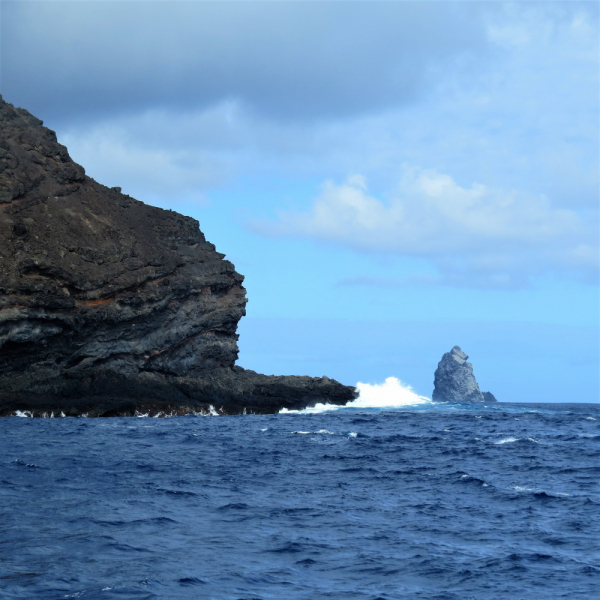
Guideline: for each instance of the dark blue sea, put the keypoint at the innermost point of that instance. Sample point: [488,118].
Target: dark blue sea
[430,502]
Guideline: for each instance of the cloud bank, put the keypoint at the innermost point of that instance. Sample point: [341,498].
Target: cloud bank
[474,236]
[497,102]
[288,60]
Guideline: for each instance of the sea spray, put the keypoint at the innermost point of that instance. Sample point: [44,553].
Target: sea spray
[392,393]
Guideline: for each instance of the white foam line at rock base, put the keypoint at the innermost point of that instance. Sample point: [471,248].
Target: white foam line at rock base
[392,393]
[211,412]
[29,414]
[23,413]
[45,415]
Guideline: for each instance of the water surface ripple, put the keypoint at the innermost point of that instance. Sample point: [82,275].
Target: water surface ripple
[436,504]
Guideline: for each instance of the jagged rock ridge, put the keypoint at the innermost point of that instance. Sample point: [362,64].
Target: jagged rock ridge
[454,381]
[109,306]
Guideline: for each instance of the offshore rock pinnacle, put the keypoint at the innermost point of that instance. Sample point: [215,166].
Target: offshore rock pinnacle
[454,381]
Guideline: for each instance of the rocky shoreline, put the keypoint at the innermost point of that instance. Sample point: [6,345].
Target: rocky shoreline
[111,307]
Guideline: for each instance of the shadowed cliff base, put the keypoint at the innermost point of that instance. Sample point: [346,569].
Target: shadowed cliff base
[109,306]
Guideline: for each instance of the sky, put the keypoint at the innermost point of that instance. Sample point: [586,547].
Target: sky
[393,178]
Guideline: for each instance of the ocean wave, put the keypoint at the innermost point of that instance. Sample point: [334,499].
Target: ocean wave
[510,440]
[351,434]
[538,493]
[392,393]
[216,508]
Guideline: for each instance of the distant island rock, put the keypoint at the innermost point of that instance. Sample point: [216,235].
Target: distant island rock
[454,381]
[109,306]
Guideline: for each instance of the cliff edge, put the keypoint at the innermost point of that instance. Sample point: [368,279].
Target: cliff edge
[109,306]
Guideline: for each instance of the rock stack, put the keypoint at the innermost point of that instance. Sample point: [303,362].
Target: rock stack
[454,381]
[109,306]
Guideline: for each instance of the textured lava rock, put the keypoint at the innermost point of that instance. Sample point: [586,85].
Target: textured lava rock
[454,381]
[109,306]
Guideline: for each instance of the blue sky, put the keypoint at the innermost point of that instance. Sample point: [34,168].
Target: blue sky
[393,178]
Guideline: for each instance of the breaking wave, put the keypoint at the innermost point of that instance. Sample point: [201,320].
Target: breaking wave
[392,393]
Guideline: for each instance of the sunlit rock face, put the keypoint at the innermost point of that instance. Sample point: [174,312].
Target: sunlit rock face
[454,381]
[110,306]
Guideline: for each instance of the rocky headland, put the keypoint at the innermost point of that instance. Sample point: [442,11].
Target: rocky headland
[454,381]
[112,307]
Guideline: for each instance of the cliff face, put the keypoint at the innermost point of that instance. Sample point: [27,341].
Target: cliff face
[454,381]
[110,306]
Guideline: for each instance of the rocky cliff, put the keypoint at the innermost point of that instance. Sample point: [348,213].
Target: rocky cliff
[454,381]
[109,306]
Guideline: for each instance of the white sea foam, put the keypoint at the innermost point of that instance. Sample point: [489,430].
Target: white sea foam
[518,488]
[392,393]
[352,434]
[508,440]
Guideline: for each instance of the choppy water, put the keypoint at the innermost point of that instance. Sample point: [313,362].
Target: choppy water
[428,503]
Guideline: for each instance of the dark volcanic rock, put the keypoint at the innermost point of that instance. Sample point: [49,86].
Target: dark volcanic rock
[109,306]
[454,381]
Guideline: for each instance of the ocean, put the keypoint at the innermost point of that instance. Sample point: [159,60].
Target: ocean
[420,501]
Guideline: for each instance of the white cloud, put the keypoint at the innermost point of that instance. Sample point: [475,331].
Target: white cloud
[526,118]
[476,236]
[525,122]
